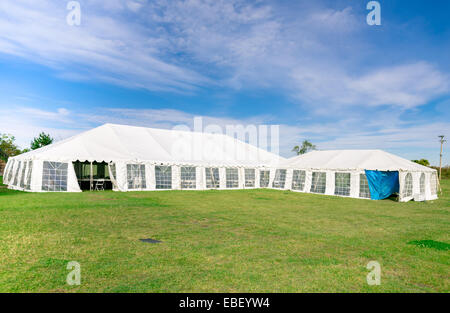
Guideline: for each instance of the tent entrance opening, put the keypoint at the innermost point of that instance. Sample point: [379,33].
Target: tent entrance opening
[93,175]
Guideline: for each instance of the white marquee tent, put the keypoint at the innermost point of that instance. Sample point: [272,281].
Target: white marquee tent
[343,173]
[139,158]
[136,158]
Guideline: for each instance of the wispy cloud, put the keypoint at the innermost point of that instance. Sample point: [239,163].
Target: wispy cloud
[182,46]
[318,57]
[340,134]
[405,86]
[102,48]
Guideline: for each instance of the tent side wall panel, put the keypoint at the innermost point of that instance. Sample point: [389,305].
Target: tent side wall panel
[200,178]
[15,174]
[308,181]
[257,177]
[11,174]
[36,176]
[288,182]
[72,181]
[204,177]
[121,172]
[354,184]
[402,177]
[416,184]
[18,167]
[19,175]
[271,177]
[241,177]
[428,184]
[329,189]
[176,177]
[151,179]
[222,178]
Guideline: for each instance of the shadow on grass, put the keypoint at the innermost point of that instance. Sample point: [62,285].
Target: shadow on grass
[431,244]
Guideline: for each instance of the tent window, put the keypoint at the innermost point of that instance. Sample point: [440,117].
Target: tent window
[433,184]
[5,169]
[280,179]
[54,176]
[364,191]
[298,180]
[407,188]
[30,170]
[264,178]
[422,184]
[22,177]
[16,177]
[212,177]
[250,177]
[232,177]
[342,184]
[319,182]
[188,178]
[5,173]
[163,176]
[136,176]
[10,172]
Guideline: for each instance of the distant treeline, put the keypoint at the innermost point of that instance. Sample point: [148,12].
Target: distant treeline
[445,171]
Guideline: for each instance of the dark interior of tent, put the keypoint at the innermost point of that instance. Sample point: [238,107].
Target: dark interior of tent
[93,176]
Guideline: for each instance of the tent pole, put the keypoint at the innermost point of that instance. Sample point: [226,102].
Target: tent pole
[91,177]
[441,140]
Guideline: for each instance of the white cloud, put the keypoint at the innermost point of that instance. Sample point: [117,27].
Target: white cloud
[333,20]
[181,46]
[407,139]
[135,6]
[101,48]
[405,86]
[29,123]
[61,114]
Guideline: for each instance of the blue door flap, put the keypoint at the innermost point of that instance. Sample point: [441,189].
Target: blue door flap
[382,184]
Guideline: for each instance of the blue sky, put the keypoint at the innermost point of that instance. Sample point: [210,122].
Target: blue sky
[313,67]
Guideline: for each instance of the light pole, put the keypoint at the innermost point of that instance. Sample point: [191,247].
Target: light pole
[441,140]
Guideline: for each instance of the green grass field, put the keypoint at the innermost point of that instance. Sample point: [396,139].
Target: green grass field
[221,241]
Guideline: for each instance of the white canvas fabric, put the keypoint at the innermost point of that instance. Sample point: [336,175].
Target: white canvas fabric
[113,143]
[356,162]
[134,154]
[122,145]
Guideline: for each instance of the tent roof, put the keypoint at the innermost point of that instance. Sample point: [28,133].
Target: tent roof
[111,142]
[353,160]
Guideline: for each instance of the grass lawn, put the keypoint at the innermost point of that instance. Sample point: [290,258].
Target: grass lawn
[221,241]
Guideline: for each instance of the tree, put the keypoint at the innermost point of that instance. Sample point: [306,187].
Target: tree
[42,140]
[423,162]
[306,147]
[7,146]
[3,155]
